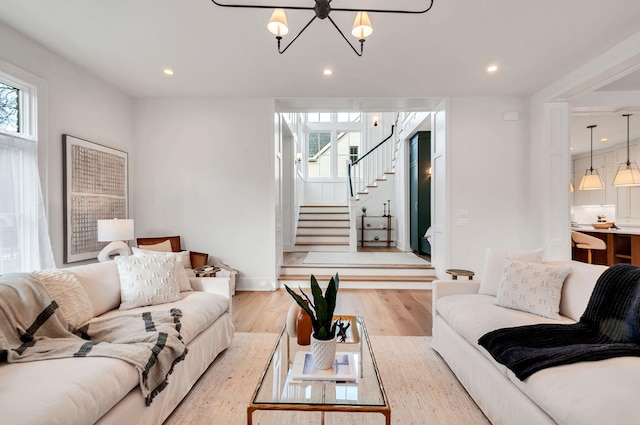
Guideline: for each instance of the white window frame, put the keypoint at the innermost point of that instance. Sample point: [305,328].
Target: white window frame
[33,129]
[27,107]
[334,127]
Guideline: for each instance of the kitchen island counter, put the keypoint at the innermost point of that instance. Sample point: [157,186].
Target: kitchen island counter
[623,245]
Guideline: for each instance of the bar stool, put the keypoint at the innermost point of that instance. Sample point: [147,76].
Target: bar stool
[587,242]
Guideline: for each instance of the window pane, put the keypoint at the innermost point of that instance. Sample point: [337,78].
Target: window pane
[349,116]
[319,154]
[348,149]
[9,116]
[318,117]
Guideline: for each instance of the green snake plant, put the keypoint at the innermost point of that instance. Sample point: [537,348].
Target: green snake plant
[321,308]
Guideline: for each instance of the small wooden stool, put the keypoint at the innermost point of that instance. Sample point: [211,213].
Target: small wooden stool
[458,272]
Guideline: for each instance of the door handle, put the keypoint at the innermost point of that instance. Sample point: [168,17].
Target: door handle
[416,206]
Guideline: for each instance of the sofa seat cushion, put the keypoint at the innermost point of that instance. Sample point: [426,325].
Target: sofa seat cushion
[63,391]
[199,311]
[587,393]
[473,315]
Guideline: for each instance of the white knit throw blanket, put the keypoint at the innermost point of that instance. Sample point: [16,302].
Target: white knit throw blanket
[32,327]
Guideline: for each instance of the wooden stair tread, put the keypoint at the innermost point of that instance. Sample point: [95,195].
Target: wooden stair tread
[323,243]
[323,219]
[361,278]
[323,227]
[324,212]
[323,206]
[322,235]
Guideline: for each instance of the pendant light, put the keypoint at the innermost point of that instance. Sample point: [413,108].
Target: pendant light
[591,179]
[628,173]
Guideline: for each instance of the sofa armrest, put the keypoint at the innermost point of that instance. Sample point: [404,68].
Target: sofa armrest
[214,285]
[443,288]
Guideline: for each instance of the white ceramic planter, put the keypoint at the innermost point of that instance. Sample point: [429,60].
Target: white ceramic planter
[324,352]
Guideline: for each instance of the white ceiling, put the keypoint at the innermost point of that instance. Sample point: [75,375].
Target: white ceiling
[229,52]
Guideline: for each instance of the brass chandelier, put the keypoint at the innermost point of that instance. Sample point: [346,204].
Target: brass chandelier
[361,27]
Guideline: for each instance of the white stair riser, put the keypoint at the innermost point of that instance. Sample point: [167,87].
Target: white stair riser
[360,271]
[328,217]
[365,284]
[322,223]
[344,231]
[323,248]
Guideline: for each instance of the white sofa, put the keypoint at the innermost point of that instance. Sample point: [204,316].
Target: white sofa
[585,393]
[106,390]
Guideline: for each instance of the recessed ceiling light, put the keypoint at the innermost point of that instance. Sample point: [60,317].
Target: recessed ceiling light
[604,140]
[327,71]
[168,71]
[492,68]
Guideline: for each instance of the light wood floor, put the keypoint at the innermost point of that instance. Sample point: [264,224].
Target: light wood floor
[392,312]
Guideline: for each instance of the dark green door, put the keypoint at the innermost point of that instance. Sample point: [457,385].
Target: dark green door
[420,191]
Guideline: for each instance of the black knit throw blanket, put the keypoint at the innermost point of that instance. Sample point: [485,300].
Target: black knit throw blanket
[609,327]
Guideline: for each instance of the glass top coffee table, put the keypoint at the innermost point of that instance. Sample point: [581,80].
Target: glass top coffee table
[278,391]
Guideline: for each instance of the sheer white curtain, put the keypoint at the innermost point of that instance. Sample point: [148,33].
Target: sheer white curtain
[24,238]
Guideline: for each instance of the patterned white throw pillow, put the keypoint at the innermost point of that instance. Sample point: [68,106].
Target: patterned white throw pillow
[181,258]
[532,287]
[147,280]
[494,264]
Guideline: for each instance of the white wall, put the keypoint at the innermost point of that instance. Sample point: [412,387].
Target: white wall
[79,104]
[205,172]
[488,177]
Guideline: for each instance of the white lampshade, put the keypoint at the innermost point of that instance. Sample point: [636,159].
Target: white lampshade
[591,181]
[628,175]
[278,23]
[115,230]
[362,26]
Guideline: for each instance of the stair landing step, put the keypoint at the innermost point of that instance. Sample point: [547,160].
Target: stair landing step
[360,278]
[359,266]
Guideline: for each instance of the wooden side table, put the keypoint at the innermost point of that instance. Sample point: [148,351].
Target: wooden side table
[459,272]
[206,271]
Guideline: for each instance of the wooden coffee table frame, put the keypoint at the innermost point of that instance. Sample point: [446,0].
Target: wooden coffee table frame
[382,409]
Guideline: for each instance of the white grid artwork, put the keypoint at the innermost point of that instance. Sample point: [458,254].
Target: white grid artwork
[96,188]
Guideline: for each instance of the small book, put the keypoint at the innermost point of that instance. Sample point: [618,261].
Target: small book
[343,370]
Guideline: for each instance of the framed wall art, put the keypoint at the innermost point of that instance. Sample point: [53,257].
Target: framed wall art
[95,186]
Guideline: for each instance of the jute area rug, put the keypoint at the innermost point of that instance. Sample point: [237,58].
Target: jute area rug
[420,387]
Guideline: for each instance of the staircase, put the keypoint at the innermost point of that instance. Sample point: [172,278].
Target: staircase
[296,272]
[323,228]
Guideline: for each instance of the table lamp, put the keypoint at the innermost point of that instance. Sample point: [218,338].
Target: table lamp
[115,231]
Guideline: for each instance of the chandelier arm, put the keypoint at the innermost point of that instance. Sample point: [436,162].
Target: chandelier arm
[296,37]
[347,40]
[261,6]
[384,10]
